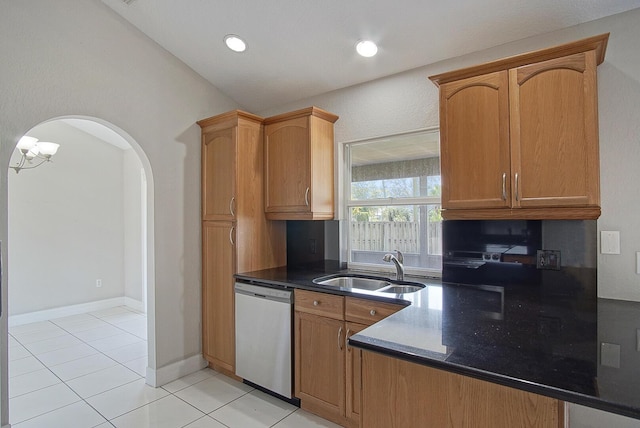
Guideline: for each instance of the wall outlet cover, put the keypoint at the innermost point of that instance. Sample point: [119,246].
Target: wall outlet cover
[548,259]
[610,242]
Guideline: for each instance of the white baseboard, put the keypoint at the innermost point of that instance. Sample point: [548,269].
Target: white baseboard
[66,311]
[174,371]
[134,304]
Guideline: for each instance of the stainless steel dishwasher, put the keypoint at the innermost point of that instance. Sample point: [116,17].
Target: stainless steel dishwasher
[263,337]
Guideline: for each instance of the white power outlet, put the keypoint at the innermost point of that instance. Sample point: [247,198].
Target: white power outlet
[98,283]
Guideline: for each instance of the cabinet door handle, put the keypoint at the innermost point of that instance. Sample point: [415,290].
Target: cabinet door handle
[504,186]
[231,204]
[306,196]
[373,312]
[339,338]
[231,235]
[346,340]
[316,303]
[517,188]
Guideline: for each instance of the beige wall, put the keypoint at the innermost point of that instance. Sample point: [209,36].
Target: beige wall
[66,224]
[80,58]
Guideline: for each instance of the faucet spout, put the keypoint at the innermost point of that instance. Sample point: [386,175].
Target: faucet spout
[398,261]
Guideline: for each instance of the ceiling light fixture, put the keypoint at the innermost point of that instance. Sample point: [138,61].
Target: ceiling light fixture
[31,149]
[366,48]
[235,43]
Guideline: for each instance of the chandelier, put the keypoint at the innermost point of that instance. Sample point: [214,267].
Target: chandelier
[33,150]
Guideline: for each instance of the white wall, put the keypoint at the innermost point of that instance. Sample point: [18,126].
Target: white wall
[410,101]
[79,58]
[132,198]
[66,224]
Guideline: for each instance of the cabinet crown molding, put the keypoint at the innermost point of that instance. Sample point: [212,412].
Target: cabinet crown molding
[597,43]
[233,115]
[309,111]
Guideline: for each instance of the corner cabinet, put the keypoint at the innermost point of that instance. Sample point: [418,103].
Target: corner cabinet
[327,370]
[519,136]
[236,236]
[299,159]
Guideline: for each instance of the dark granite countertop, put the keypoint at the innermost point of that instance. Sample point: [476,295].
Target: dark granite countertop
[543,338]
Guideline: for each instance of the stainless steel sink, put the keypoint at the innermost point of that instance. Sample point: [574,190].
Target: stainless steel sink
[401,289]
[362,282]
[354,282]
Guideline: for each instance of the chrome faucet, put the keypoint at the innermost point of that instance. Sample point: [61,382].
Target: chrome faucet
[398,262]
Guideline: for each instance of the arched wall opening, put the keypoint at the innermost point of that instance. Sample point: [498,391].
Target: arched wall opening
[81,228]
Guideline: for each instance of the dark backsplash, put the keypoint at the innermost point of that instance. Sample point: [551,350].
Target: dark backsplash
[504,252]
[312,241]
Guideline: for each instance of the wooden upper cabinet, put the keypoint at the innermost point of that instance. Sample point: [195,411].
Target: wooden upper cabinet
[474,134]
[554,123]
[218,174]
[229,141]
[519,136]
[299,158]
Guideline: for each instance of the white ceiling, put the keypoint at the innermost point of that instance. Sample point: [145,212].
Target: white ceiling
[301,48]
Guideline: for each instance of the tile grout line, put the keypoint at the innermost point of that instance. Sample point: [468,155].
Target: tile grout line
[169,393]
[81,399]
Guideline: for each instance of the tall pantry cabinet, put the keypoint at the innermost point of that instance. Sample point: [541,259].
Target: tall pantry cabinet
[236,236]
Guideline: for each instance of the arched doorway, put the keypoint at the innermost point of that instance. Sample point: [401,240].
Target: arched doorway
[89,242]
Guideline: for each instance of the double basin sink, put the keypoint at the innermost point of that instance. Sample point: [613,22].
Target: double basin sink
[368,283]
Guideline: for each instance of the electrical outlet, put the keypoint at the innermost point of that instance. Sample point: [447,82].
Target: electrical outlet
[638,339]
[312,246]
[548,259]
[98,283]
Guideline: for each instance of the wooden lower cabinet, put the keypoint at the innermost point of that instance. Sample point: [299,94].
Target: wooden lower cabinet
[320,371]
[320,353]
[218,318]
[397,393]
[327,370]
[353,376]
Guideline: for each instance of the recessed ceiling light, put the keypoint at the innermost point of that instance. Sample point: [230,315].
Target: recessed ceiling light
[366,48]
[235,43]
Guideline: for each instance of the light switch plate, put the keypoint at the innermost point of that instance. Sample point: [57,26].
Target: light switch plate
[610,242]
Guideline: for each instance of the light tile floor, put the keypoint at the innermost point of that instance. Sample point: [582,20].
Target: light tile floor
[88,371]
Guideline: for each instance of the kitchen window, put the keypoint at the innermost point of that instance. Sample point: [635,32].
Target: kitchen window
[392,188]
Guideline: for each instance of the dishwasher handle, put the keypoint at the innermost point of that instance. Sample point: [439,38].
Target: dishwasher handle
[263,292]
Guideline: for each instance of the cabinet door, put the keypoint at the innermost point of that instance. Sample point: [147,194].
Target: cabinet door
[319,367]
[218,318]
[353,375]
[218,174]
[554,132]
[287,166]
[474,133]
